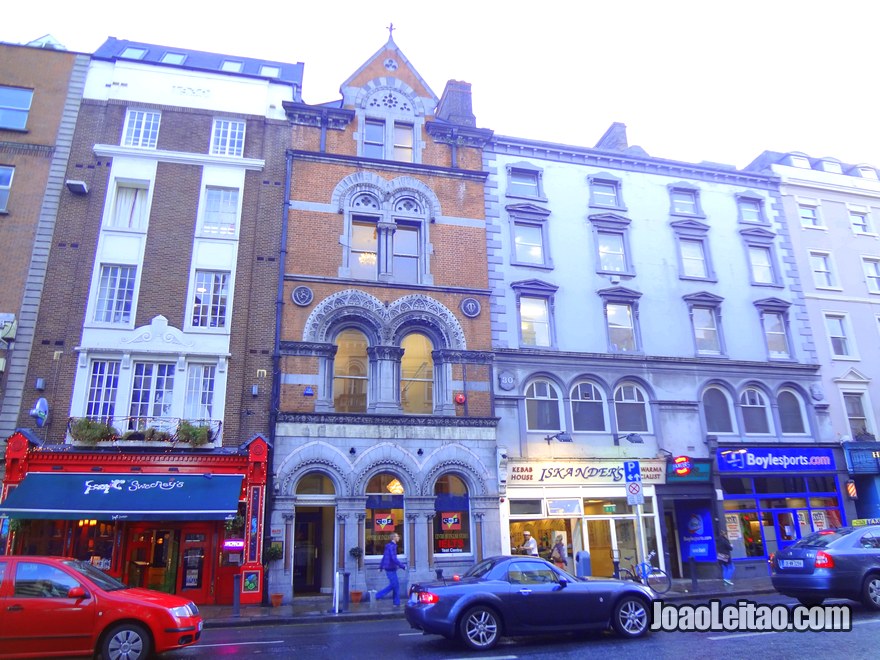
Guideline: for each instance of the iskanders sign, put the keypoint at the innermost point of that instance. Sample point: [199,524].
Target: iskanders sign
[767,459]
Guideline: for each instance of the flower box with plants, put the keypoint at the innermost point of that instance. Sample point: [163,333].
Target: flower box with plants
[193,434]
[92,431]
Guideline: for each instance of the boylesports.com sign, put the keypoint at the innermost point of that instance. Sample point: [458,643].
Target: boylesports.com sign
[775,459]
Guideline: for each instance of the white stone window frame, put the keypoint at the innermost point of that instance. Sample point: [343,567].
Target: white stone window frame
[606,179]
[871,263]
[779,308]
[712,304]
[691,191]
[865,213]
[207,190]
[542,291]
[802,407]
[859,389]
[743,200]
[825,275]
[559,399]
[115,298]
[191,308]
[224,137]
[531,170]
[610,224]
[136,119]
[391,102]
[848,336]
[748,398]
[816,206]
[696,232]
[731,409]
[527,215]
[126,260]
[627,298]
[759,238]
[646,402]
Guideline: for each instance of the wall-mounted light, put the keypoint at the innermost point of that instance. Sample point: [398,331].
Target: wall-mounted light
[634,438]
[77,187]
[40,385]
[420,452]
[255,390]
[562,436]
[352,451]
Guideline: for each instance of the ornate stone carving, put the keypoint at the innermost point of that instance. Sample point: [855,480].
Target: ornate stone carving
[388,420]
[302,296]
[456,465]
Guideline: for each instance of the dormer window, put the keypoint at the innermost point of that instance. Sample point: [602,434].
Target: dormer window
[830,165]
[231,66]
[173,58]
[867,172]
[799,160]
[389,127]
[132,53]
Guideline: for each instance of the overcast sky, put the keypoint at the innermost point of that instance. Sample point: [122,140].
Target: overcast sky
[692,80]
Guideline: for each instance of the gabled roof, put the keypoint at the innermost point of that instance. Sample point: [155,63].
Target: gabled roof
[113,48]
[390,46]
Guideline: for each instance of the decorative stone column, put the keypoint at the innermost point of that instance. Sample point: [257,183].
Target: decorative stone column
[385,380]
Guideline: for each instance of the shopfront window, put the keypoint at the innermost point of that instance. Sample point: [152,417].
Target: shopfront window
[384,514]
[452,519]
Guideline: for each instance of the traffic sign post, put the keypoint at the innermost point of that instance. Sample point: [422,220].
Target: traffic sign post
[634,496]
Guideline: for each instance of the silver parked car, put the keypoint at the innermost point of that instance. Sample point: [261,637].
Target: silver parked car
[832,563]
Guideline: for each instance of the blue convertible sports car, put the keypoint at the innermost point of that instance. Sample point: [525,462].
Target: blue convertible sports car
[510,596]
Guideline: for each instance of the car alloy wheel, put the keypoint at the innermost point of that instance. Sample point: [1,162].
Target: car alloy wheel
[871,592]
[630,618]
[126,641]
[480,628]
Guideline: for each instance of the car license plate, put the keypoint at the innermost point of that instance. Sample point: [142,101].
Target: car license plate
[791,563]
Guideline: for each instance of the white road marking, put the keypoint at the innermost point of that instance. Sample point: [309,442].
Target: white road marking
[410,634]
[202,646]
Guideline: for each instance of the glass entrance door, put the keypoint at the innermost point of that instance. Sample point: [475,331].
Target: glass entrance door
[608,538]
[787,528]
[306,553]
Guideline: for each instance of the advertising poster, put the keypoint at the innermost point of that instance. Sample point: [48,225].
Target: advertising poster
[383,522]
[694,521]
[820,521]
[734,533]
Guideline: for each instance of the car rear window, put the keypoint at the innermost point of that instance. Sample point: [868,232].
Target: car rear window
[824,537]
[480,569]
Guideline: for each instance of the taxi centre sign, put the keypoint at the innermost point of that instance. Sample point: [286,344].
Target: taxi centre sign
[574,472]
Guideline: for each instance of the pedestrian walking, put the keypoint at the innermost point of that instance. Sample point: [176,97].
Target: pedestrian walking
[723,548]
[559,554]
[390,563]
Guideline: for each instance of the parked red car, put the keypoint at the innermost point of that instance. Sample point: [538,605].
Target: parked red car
[53,606]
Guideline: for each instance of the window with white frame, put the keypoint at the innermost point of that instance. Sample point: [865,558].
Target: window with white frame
[389,140]
[173,58]
[534,317]
[199,403]
[587,408]
[232,66]
[227,138]
[351,368]
[528,243]
[523,180]
[837,326]
[542,406]
[5,186]
[684,201]
[141,129]
[152,393]
[417,375]
[859,221]
[823,273]
[605,193]
[221,211]
[612,252]
[706,332]
[210,295]
[809,216]
[115,293]
[270,71]
[693,258]
[775,334]
[103,384]
[761,264]
[717,410]
[750,209]
[791,412]
[133,53]
[755,412]
[631,409]
[15,106]
[871,267]
[867,172]
[856,413]
[129,206]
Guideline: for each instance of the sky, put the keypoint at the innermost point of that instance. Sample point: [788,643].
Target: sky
[692,80]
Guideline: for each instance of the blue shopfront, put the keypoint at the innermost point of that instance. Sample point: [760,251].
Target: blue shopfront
[863,465]
[769,497]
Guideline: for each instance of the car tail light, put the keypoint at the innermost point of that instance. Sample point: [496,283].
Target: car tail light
[427,598]
[772,560]
[824,560]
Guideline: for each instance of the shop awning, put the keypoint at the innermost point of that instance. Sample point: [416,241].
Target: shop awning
[100,496]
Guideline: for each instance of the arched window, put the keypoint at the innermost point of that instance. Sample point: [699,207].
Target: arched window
[791,412]
[315,483]
[754,411]
[350,372]
[542,406]
[384,513]
[587,408]
[631,408]
[417,375]
[716,410]
[452,517]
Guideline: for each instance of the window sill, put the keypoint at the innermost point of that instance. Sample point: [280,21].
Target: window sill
[700,216]
[846,358]
[622,209]
[616,273]
[818,227]
[513,195]
[525,264]
[692,278]
[768,285]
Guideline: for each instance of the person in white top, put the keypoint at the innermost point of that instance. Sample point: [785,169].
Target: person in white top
[530,545]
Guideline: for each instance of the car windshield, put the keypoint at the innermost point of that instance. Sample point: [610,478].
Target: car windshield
[97,576]
[823,538]
[480,569]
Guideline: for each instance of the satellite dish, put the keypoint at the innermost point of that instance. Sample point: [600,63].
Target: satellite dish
[40,411]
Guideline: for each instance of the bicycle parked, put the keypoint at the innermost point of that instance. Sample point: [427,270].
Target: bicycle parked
[647,574]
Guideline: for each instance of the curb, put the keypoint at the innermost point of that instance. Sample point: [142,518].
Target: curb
[329,617]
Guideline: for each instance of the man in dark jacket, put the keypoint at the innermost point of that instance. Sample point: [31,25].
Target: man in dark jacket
[390,563]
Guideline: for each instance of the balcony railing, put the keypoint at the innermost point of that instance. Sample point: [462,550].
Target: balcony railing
[167,430]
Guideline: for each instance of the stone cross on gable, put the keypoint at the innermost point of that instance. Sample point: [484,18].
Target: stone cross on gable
[391,31]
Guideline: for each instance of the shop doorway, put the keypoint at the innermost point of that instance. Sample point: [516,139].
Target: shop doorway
[610,537]
[307,552]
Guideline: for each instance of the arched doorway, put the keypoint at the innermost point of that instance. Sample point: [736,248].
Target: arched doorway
[313,534]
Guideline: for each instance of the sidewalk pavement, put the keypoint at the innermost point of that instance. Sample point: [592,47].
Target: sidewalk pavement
[314,609]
